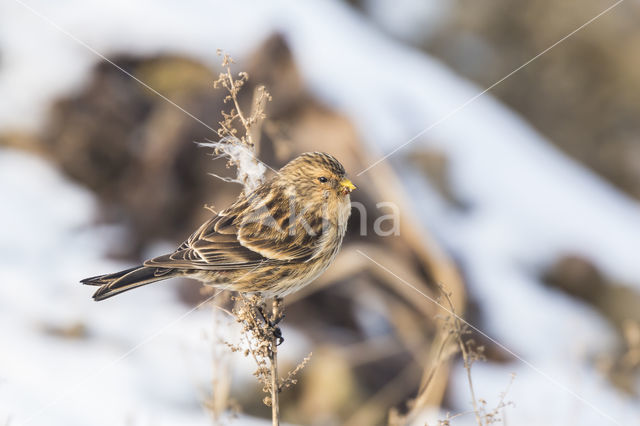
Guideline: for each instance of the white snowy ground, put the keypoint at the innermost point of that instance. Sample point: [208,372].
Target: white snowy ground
[114,375]
[529,203]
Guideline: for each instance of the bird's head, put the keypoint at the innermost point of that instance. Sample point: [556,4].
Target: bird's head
[317,174]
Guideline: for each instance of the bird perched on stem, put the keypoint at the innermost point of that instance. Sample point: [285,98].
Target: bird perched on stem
[272,241]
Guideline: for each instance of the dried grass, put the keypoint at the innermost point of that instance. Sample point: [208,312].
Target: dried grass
[260,334]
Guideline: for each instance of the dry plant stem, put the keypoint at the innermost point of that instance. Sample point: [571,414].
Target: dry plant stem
[261,334]
[370,411]
[234,96]
[273,358]
[467,367]
[459,329]
[239,130]
[259,103]
[260,98]
[443,348]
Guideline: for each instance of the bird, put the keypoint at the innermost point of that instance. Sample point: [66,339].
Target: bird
[272,241]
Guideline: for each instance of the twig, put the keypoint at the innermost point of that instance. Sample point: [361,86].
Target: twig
[458,329]
[273,359]
[239,138]
[467,367]
[470,354]
[238,133]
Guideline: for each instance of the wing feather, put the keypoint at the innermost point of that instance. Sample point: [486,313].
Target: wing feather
[249,233]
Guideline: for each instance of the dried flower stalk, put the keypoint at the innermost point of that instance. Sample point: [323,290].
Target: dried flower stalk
[239,139]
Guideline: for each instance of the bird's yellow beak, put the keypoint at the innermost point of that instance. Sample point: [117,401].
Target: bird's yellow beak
[347,185]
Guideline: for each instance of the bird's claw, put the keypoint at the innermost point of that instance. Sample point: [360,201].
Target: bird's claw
[277,333]
[269,322]
[277,321]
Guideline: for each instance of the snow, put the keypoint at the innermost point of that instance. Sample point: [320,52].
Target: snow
[528,204]
[411,20]
[44,44]
[112,375]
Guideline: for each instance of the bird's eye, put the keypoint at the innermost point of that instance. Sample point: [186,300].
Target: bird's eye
[323,179]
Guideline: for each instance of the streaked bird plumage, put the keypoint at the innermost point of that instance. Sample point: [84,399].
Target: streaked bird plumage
[273,241]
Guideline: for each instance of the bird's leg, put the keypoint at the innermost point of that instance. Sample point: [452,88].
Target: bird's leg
[272,321]
[260,308]
[276,321]
[277,333]
[276,317]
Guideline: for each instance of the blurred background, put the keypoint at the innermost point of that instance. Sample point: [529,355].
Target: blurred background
[522,203]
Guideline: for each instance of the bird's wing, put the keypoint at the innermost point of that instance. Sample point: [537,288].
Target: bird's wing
[214,246]
[276,230]
[241,237]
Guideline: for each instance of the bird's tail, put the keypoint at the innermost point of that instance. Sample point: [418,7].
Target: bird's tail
[116,283]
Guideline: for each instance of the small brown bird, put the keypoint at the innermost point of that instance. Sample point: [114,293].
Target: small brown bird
[273,241]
